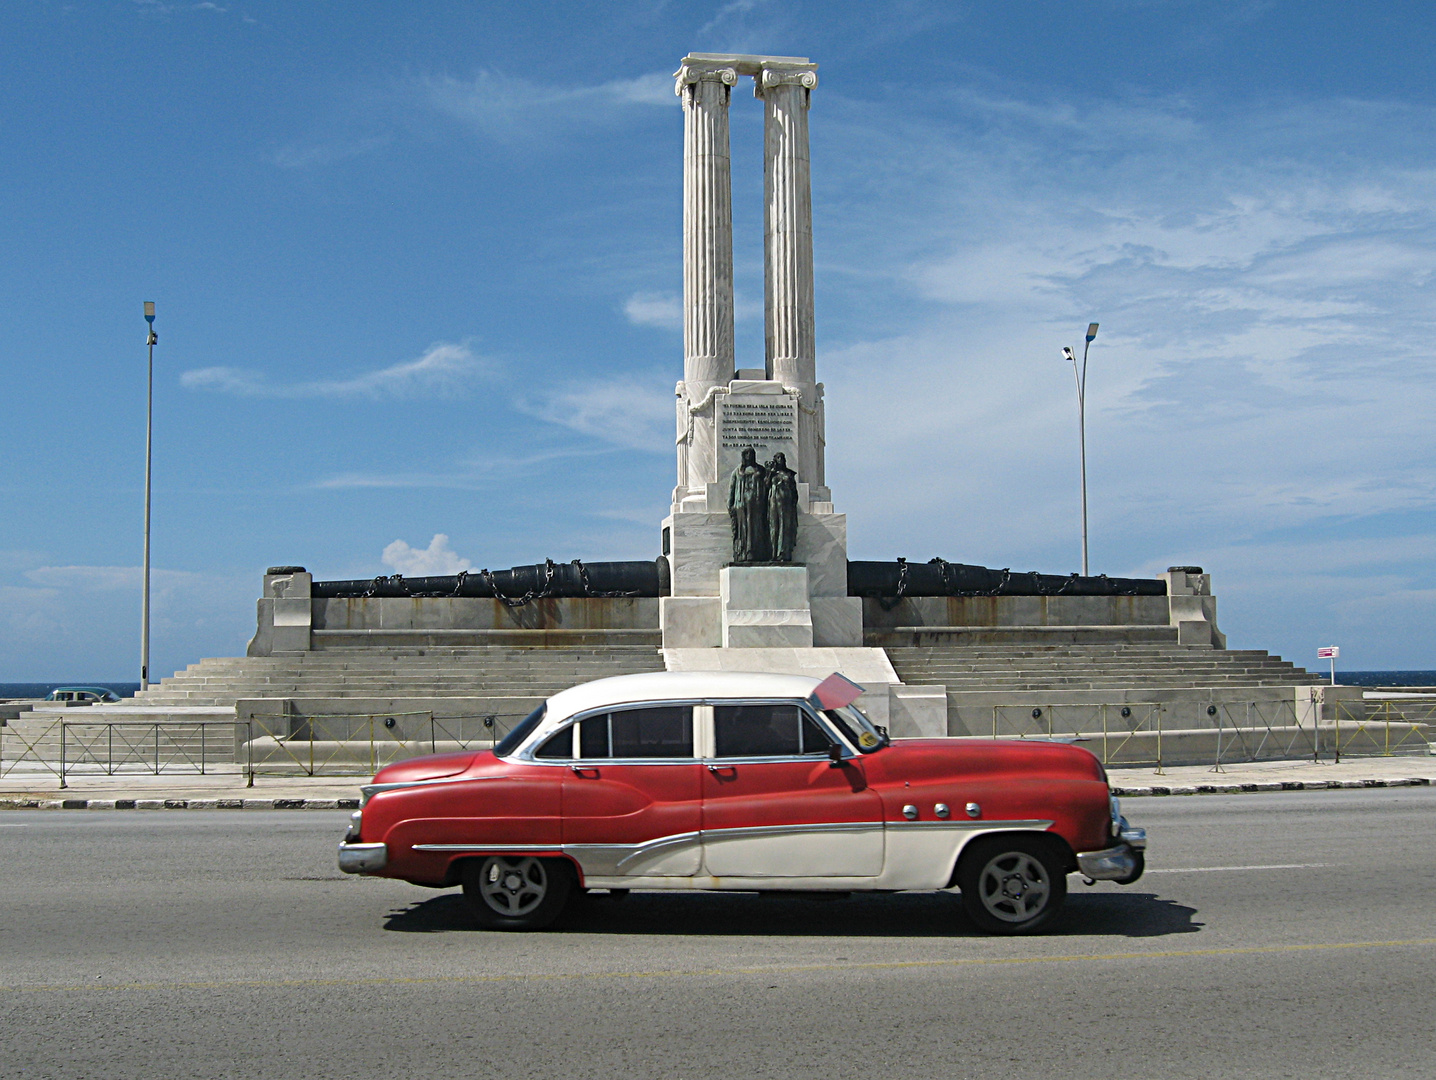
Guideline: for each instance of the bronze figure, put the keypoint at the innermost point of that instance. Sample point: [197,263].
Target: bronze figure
[782,509]
[747,509]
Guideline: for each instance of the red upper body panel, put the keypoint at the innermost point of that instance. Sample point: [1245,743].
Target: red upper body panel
[478,799]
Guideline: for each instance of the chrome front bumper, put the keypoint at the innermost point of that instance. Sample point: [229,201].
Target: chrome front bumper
[1123,863]
[363,858]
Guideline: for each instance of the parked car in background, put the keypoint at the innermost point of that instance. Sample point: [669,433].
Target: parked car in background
[87,694]
[734,781]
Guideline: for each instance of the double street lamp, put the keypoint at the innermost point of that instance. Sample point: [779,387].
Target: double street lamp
[149,432]
[1081,378]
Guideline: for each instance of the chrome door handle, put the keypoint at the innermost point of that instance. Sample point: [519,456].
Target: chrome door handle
[716,769]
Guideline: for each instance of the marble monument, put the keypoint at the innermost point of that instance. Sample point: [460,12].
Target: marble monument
[769,414]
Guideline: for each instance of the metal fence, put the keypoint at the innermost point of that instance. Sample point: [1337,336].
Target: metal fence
[1119,733]
[63,748]
[1225,732]
[1384,728]
[280,745]
[341,744]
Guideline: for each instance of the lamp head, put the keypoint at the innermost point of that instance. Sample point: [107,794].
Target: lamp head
[1067,354]
[150,312]
[1091,332]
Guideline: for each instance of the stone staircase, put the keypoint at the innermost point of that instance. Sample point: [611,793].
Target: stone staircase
[1130,703]
[1038,668]
[350,680]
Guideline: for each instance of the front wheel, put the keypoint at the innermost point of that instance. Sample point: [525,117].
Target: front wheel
[523,893]
[1011,884]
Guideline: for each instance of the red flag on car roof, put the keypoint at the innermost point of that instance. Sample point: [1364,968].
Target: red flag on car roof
[834,692]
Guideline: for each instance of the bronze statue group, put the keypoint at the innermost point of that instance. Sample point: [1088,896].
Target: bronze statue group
[763,509]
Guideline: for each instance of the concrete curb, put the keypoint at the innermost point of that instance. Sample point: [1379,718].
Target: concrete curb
[1267,785]
[177,804]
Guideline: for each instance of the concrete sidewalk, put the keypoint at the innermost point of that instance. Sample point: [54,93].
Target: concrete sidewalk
[1303,775]
[227,790]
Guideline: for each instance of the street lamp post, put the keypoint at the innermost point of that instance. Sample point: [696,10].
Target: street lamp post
[149,435]
[1081,378]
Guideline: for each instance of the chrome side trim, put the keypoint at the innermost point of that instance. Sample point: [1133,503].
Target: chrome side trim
[641,852]
[750,832]
[968,826]
[494,848]
[363,858]
[370,790]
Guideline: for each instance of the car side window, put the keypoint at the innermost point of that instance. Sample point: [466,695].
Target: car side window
[558,746]
[658,731]
[770,730]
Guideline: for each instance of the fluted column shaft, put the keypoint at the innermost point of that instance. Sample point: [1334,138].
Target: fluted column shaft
[788,251]
[707,261]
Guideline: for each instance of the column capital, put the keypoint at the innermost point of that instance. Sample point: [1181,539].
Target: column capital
[773,75]
[695,71]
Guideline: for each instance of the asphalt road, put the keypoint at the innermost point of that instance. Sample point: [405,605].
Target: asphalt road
[1277,935]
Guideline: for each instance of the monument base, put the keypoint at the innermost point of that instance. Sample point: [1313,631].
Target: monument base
[907,712]
[765,607]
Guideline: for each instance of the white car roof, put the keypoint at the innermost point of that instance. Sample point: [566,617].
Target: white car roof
[670,685]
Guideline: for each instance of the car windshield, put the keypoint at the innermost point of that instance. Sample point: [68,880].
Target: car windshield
[520,731]
[861,731]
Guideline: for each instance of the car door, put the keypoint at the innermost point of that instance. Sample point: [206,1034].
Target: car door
[631,794]
[775,805]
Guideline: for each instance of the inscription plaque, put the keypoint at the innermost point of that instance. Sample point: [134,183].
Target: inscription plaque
[766,422]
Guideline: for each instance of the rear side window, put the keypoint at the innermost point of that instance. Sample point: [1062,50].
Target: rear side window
[769,730]
[658,731]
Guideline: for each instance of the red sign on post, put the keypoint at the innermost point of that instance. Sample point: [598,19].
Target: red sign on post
[1328,652]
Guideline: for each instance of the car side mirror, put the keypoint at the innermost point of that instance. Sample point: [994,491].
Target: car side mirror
[835,756]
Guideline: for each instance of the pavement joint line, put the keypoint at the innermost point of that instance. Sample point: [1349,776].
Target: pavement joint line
[766,970]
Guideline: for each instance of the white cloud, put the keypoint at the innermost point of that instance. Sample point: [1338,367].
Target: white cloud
[628,412]
[513,109]
[309,155]
[64,616]
[445,369]
[435,560]
[663,310]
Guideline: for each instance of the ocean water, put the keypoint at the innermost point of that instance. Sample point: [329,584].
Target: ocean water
[1380,678]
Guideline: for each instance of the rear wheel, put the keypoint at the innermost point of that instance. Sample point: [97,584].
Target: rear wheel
[517,893]
[1011,884]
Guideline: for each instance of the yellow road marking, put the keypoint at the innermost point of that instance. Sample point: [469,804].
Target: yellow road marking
[775,969]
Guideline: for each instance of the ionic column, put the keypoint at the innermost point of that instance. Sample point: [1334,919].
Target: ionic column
[788,251]
[707,260]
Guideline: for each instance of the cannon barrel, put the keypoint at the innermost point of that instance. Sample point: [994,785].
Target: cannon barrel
[534,582]
[942,578]
[522,584]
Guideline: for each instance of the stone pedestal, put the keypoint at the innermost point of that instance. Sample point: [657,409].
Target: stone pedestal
[765,607]
[1192,607]
[286,615]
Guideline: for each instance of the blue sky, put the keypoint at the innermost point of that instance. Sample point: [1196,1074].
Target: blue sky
[417,270]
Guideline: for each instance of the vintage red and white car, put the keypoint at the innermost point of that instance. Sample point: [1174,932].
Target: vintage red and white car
[736,781]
